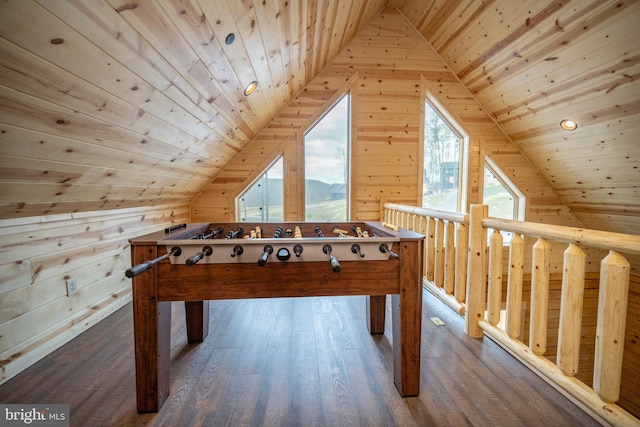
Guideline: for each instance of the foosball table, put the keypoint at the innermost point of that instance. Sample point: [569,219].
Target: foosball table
[199,262]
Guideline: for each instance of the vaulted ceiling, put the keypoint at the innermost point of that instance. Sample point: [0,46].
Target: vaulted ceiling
[116,103]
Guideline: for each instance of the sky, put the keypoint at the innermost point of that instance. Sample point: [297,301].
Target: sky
[322,143]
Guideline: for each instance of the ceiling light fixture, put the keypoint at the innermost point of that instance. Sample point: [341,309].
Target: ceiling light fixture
[568,124]
[230,38]
[250,88]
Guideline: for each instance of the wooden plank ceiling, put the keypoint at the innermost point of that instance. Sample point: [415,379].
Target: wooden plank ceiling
[120,103]
[533,63]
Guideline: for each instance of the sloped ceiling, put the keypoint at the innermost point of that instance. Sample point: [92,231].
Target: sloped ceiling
[531,64]
[118,103]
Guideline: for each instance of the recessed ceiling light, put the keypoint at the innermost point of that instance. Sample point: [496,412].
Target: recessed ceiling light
[250,88]
[568,124]
[230,38]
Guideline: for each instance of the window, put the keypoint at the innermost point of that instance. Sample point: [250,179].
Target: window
[442,171]
[502,197]
[326,165]
[263,200]
[495,195]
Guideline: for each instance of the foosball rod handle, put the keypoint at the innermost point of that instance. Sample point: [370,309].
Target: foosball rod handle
[355,248]
[193,259]
[268,250]
[174,228]
[335,264]
[237,250]
[140,268]
[385,249]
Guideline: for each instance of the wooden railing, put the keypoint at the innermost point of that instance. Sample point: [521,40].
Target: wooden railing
[445,252]
[483,303]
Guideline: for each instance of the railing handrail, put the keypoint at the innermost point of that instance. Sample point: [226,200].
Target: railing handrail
[580,236]
[459,217]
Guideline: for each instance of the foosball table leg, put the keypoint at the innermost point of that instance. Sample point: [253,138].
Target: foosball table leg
[406,313]
[376,306]
[152,352]
[152,332]
[197,316]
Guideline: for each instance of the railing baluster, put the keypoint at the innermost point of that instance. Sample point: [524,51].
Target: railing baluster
[449,258]
[439,262]
[462,253]
[423,230]
[514,287]
[571,301]
[539,298]
[494,293]
[430,242]
[612,318]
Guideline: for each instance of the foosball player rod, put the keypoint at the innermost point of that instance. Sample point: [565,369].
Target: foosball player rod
[297,249]
[137,269]
[335,264]
[390,226]
[233,234]
[385,249]
[268,250]
[276,235]
[213,233]
[342,233]
[359,232]
[193,259]
[318,231]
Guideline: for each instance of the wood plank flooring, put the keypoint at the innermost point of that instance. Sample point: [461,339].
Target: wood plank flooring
[295,362]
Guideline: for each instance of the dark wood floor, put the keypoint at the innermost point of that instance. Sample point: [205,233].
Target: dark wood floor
[295,362]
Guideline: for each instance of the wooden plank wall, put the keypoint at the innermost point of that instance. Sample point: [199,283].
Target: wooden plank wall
[388,69]
[630,387]
[38,254]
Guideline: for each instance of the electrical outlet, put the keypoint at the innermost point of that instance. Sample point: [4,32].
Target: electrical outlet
[72,287]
